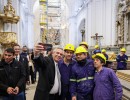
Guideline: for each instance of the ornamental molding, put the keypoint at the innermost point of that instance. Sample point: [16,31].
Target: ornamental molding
[123,10]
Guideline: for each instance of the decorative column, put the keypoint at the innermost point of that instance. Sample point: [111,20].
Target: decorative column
[8,38]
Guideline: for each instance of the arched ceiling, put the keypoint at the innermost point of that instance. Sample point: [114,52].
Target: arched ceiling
[74,5]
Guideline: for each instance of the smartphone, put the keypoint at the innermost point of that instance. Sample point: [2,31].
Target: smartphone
[47,47]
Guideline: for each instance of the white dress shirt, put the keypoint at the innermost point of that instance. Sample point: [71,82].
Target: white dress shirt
[57,83]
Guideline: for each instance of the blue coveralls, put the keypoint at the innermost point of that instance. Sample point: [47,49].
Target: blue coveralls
[81,81]
[107,85]
[65,71]
[122,62]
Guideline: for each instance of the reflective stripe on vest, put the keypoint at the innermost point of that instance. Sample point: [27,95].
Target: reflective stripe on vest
[82,79]
[123,61]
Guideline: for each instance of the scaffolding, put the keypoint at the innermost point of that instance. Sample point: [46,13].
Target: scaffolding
[50,21]
[43,20]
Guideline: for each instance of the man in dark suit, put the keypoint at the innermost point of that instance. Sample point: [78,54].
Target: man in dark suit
[12,77]
[49,85]
[23,60]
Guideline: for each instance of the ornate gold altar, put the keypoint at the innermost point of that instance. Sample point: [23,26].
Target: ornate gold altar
[8,16]
[8,38]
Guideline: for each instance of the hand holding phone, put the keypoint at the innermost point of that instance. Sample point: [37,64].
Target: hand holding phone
[46,46]
[38,49]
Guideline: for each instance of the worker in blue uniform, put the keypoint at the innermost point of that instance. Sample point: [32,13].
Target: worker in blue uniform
[104,53]
[96,48]
[85,45]
[81,80]
[65,66]
[95,52]
[107,85]
[108,63]
[122,60]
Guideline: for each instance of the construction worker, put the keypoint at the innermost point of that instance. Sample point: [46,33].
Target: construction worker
[85,45]
[108,63]
[122,60]
[65,67]
[107,85]
[96,48]
[95,52]
[81,80]
[104,53]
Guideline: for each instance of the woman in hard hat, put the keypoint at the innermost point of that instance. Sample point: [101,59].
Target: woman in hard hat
[107,85]
[65,66]
[81,80]
[122,60]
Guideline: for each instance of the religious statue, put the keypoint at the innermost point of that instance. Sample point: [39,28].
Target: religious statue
[122,5]
[8,9]
[122,8]
[97,38]
[83,35]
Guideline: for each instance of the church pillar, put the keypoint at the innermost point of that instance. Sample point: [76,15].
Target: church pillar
[30,31]
[72,30]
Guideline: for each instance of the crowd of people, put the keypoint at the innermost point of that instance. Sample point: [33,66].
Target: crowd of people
[64,74]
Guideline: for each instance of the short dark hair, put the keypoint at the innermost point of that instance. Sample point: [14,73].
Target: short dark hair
[16,45]
[24,46]
[10,50]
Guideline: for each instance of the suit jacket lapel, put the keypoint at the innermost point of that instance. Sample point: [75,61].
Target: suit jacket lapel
[52,65]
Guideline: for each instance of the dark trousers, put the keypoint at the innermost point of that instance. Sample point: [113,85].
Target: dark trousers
[35,72]
[32,75]
[65,94]
[20,96]
[86,97]
[54,97]
[122,68]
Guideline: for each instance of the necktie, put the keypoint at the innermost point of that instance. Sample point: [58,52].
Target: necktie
[16,58]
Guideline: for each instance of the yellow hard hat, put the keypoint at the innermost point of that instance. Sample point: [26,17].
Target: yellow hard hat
[80,49]
[123,49]
[83,43]
[101,56]
[93,56]
[96,46]
[103,50]
[69,47]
